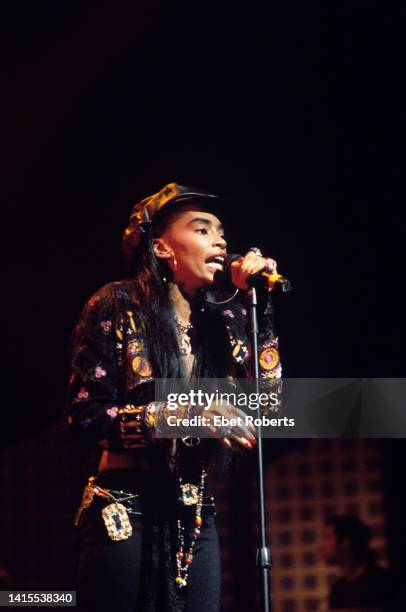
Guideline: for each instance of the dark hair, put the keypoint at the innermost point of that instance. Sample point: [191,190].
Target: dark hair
[352,528]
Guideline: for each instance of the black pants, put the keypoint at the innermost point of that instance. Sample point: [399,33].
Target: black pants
[116,575]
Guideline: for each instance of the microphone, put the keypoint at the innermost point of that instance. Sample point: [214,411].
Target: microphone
[261,279]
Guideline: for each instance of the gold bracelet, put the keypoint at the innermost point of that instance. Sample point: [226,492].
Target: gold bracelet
[136,411]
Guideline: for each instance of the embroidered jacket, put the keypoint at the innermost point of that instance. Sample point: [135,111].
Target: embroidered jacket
[111,368]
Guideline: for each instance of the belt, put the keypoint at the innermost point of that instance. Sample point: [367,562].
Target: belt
[135,505]
[135,502]
[117,506]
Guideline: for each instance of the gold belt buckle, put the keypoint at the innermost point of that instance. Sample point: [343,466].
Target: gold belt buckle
[190,494]
[117,523]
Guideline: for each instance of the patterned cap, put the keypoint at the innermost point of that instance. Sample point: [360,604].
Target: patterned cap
[143,213]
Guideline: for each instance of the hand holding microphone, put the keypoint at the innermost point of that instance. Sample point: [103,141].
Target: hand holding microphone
[253,270]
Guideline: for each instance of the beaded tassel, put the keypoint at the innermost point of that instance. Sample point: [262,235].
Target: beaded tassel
[184,560]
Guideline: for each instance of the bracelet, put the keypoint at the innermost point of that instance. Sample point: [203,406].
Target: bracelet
[147,414]
[137,412]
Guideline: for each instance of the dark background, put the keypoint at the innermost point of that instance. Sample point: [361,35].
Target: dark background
[294,111]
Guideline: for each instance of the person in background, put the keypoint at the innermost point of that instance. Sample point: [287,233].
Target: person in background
[363,583]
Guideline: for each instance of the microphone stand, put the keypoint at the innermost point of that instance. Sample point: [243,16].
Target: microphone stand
[264,561]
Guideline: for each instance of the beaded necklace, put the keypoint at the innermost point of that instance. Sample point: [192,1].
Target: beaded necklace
[189,494]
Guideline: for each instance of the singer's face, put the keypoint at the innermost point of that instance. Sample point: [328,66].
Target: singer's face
[196,239]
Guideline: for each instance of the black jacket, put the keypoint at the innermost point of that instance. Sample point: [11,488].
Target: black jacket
[111,369]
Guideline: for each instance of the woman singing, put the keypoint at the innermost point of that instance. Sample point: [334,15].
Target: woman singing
[147,531]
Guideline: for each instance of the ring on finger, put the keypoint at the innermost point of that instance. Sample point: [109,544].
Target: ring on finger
[270,265]
[256,251]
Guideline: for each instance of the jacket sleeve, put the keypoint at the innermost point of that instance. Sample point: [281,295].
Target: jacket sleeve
[96,390]
[236,316]
[268,343]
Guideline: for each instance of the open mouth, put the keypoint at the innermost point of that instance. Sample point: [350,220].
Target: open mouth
[214,263]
